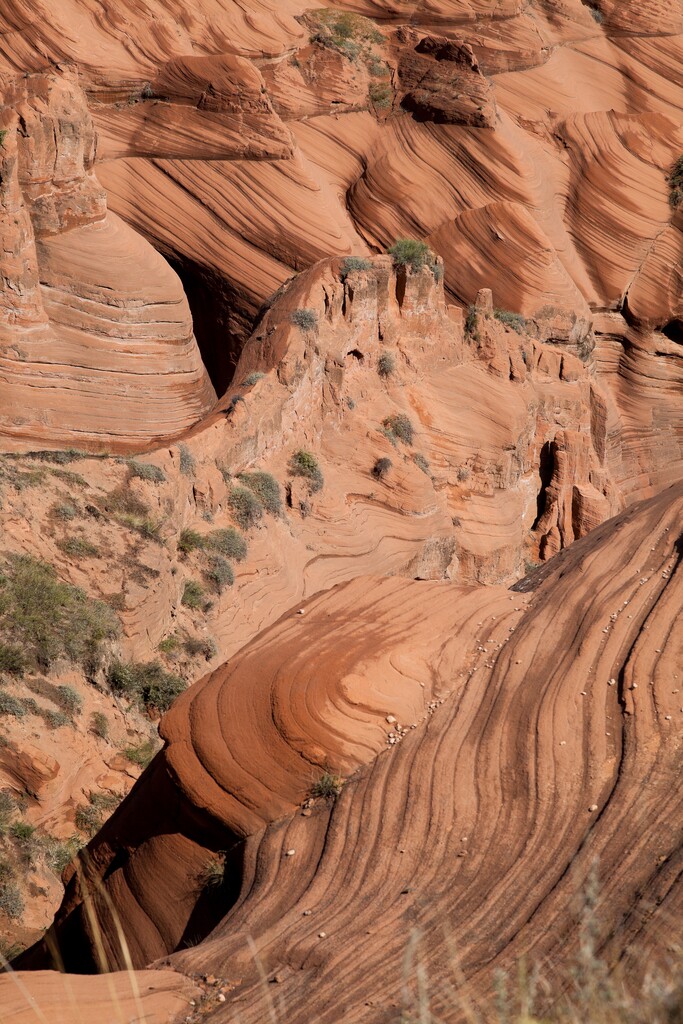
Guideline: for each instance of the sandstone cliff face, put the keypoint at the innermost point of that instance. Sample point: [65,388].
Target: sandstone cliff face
[246,143]
[482,755]
[88,307]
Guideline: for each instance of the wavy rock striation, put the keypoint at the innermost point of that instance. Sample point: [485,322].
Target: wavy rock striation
[95,331]
[493,744]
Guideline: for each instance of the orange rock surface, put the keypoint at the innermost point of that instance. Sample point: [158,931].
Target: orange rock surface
[493,743]
[179,187]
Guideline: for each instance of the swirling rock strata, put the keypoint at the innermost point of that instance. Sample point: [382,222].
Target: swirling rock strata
[493,747]
[88,308]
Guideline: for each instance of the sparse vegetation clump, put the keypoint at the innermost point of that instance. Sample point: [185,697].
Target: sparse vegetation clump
[352,264]
[64,511]
[350,34]
[409,252]
[514,320]
[11,902]
[304,319]
[471,321]
[146,471]
[69,700]
[246,507]
[100,725]
[12,659]
[266,489]
[675,181]
[147,683]
[90,817]
[78,547]
[48,618]
[304,463]
[188,466]
[381,468]
[400,427]
[205,646]
[141,755]
[193,596]
[386,364]
[380,95]
[11,705]
[327,787]
[421,462]
[252,378]
[228,542]
[190,540]
[219,574]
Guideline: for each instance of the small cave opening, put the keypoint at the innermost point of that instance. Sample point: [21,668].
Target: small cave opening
[546,465]
[221,322]
[674,330]
[354,356]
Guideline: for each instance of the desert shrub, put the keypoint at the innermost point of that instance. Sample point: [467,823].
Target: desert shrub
[90,817]
[22,831]
[328,786]
[381,468]
[228,542]
[59,458]
[49,618]
[463,473]
[10,705]
[350,403]
[31,705]
[142,754]
[437,271]
[303,463]
[266,489]
[55,719]
[514,320]
[146,471]
[78,547]
[675,180]
[386,364]
[69,700]
[190,540]
[7,809]
[3,135]
[193,595]
[147,683]
[11,659]
[212,874]
[65,511]
[99,724]
[252,378]
[195,645]
[352,264]
[246,507]
[11,903]
[219,574]
[304,319]
[380,95]
[60,852]
[421,462]
[188,465]
[123,501]
[351,34]
[471,320]
[409,252]
[597,15]
[169,645]
[401,427]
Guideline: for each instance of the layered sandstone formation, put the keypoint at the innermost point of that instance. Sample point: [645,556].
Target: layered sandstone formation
[489,761]
[96,333]
[174,175]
